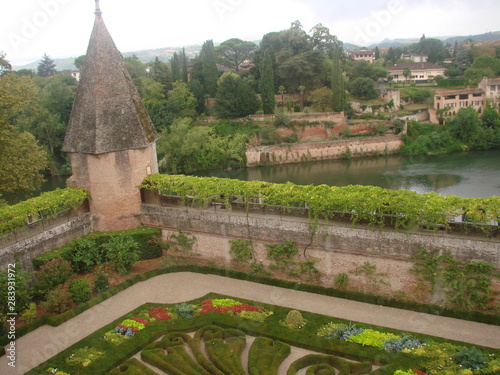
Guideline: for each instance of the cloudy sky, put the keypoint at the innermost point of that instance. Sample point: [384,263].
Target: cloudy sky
[61,28]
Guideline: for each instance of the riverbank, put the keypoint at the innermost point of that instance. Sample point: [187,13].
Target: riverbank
[327,150]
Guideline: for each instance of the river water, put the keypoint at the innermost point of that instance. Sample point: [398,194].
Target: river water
[467,174]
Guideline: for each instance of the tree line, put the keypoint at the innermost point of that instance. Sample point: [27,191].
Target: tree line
[232,80]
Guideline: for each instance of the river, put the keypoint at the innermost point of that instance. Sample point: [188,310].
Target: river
[467,174]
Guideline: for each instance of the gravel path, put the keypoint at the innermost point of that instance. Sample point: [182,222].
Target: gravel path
[41,344]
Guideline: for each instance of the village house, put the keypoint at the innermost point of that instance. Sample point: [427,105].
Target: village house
[364,54]
[491,88]
[419,72]
[452,100]
[415,58]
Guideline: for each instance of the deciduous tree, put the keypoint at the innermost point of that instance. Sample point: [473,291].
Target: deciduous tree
[234,97]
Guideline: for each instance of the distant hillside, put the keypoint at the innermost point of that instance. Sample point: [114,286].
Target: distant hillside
[386,43]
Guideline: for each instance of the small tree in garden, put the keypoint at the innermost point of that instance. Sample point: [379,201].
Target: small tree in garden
[123,253]
[80,290]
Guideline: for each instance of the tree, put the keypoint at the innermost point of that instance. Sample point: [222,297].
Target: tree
[322,39]
[490,117]
[46,67]
[234,97]
[338,93]
[377,53]
[161,73]
[233,52]
[322,99]
[184,66]
[407,73]
[364,89]
[267,84]
[79,62]
[433,48]
[209,68]
[483,66]
[465,125]
[182,102]
[135,68]
[5,66]
[154,97]
[176,66]
[21,158]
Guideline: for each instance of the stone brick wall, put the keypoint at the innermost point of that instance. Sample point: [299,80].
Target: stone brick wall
[269,155]
[22,246]
[113,181]
[340,247]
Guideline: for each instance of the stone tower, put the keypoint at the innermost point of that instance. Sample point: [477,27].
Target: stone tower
[110,137]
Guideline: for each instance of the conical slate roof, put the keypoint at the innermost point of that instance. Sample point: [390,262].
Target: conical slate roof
[108,115]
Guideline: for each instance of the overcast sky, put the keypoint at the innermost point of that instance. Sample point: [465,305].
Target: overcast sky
[61,28]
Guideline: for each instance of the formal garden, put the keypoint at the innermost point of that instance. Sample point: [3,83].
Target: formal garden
[217,335]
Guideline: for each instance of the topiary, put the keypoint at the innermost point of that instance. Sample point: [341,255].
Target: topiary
[294,319]
[80,290]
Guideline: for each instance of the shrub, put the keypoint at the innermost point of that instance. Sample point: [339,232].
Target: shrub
[294,319]
[401,343]
[122,252]
[470,358]
[29,315]
[241,250]
[341,280]
[281,119]
[51,274]
[101,281]
[58,300]
[23,293]
[185,310]
[84,254]
[80,290]
[346,132]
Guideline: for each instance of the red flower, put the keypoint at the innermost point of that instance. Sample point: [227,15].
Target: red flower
[159,313]
[206,307]
[418,372]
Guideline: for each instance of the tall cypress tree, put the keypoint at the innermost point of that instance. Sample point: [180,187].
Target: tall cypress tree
[337,83]
[184,66]
[175,63]
[209,68]
[267,84]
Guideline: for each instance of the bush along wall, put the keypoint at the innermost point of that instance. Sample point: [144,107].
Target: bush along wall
[369,204]
[47,204]
[89,250]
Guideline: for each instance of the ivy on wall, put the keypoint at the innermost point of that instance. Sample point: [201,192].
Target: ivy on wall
[406,209]
[46,205]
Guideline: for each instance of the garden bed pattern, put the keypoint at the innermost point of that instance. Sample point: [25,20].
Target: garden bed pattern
[209,336]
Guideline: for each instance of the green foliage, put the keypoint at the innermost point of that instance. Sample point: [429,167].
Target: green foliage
[57,300]
[269,136]
[267,84]
[235,98]
[101,281]
[241,251]
[295,320]
[381,129]
[84,356]
[281,120]
[80,290]
[266,356]
[29,315]
[282,254]
[21,287]
[470,358]
[84,254]
[341,280]
[364,89]
[51,274]
[122,252]
[185,310]
[370,337]
[183,242]
[367,203]
[48,204]
[374,280]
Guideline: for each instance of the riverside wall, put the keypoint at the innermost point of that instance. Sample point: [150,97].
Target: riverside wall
[327,150]
[338,246]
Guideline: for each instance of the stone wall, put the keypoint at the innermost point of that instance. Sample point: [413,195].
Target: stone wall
[22,246]
[294,153]
[340,247]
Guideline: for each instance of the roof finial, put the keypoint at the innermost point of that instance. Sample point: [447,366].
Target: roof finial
[97,8]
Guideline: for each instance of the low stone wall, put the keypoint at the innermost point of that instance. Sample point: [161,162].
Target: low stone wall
[294,153]
[24,245]
[340,247]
